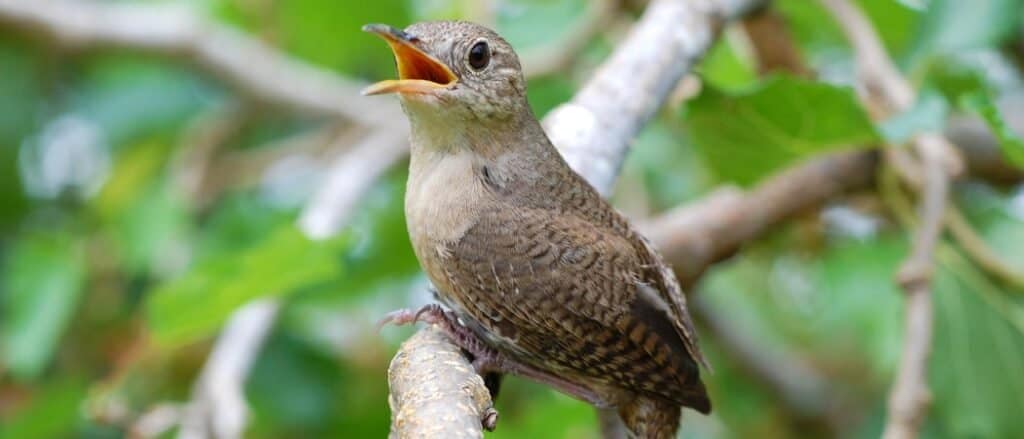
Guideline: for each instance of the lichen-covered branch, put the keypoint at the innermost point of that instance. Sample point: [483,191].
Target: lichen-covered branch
[435,392]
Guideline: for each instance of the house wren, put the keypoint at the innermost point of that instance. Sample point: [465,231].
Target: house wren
[543,278]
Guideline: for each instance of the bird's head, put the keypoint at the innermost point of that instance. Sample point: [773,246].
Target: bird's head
[459,69]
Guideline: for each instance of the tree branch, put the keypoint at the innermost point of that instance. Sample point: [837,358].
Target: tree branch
[218,406]
[349,177]
[910,397]
[886,92]
[435,392]
[593,131]
[694,236]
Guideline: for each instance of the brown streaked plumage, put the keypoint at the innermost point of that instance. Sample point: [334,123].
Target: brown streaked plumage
[544,278]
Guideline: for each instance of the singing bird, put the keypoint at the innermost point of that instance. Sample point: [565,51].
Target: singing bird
[541,276]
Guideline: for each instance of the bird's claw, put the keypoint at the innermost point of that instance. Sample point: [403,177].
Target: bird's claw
[430,314]
[490,419]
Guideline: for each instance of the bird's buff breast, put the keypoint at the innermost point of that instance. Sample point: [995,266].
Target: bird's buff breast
[442,201]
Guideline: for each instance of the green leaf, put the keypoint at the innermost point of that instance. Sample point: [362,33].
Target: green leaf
[927,115]
[826,48]
[1010,143]
[54,411]
[325,32]
[21,92]
[954,78]
[546,93]
[196,304]
[531,410]
[131,97]
[296,390]
[950,26]
[746,136]
[519,20]
[42,280]
[977,353]
[725,67]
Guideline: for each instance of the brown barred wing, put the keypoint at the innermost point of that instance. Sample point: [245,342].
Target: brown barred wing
[569,297]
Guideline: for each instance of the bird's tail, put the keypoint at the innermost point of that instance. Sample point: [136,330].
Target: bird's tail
[650,418]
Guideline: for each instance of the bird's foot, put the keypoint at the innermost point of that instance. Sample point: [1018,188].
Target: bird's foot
[432,314]
[486,360]
[463,336]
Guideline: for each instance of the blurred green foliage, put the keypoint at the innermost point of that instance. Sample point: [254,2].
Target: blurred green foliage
[115,276]
[749,135]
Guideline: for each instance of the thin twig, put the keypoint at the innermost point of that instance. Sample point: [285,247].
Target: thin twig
[199,147]
[218,407]
[774,50]
[886,92]
[979,251]
[243,168]
[350,176]
[910,397]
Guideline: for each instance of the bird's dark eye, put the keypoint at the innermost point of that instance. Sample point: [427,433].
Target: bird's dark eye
[479,55]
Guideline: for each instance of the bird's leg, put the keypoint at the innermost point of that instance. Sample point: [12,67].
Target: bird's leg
[494,361]
[485,359]
[463,336]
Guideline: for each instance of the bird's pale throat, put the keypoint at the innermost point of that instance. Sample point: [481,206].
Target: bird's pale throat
[418,71]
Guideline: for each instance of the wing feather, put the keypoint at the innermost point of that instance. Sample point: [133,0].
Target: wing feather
[566,295]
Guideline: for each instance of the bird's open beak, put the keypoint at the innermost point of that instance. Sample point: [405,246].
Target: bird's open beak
[418,72]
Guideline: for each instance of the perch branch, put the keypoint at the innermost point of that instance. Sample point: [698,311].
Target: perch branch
[435,392]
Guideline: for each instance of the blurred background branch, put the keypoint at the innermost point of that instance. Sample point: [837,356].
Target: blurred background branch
[887,92]
[255,68]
